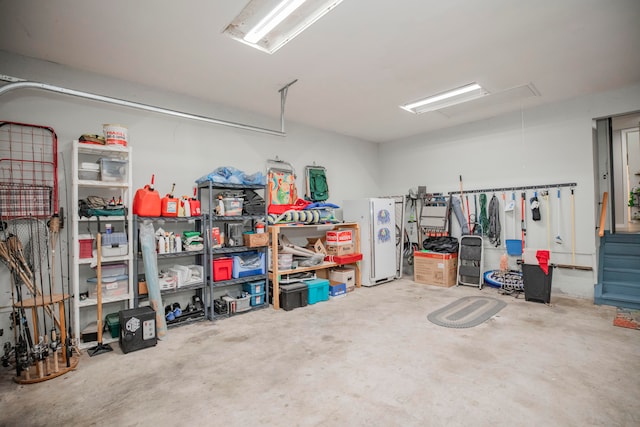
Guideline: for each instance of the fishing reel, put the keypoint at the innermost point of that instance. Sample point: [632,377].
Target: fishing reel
[40,351]
[8,349]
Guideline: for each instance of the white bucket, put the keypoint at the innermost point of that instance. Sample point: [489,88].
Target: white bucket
[115,134]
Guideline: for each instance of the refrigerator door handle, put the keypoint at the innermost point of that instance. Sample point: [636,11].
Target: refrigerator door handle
[372,252]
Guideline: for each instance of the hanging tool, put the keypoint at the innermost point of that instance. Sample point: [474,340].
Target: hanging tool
[558,239]
[100,347]
[573,228]
[545,196]
[523,220]
[462,195]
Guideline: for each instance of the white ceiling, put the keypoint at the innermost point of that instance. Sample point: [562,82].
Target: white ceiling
[355,65]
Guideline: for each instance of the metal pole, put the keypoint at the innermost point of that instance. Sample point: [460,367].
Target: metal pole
[16,83]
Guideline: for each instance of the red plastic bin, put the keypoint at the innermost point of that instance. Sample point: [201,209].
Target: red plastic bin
[222,268]
[86,246]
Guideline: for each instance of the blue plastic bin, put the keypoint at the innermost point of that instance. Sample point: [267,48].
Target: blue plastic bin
[318,290]
[248,264]
[254,288]
[257,299]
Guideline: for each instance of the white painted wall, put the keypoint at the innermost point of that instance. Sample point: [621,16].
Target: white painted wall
[546,145]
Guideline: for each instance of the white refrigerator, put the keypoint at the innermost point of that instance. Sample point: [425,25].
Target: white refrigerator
[376,217]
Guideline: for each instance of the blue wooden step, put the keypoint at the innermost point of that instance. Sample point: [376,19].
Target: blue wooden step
[625,288]
[616,299]
[621,261]
[617,274]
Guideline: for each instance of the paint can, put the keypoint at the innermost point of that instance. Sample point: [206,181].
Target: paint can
[115,134]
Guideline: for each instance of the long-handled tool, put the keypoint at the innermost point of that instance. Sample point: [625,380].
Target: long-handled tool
[545,196]
[573,228]
[558,239]
[523,220]
[100,347]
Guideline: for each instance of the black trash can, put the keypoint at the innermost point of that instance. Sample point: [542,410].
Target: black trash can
[537,284]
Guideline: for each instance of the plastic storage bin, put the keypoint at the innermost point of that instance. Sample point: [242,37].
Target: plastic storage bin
[114,244]
[222,268]
[254,288]
[248,264]
[318,290]
[89,171]
[257,299]
[537,284]
[117,269]
[113,323]
[113,170]
[243,303]
[232,206]
[111,286]
[292,296]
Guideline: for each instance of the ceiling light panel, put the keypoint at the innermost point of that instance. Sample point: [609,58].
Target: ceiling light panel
[268,25]
[446,99]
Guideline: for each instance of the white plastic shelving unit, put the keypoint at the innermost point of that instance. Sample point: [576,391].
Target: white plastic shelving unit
[85,309]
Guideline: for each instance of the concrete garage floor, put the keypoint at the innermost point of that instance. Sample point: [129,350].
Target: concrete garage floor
[369,359]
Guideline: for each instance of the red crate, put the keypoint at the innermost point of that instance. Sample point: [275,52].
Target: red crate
[86,247]
[344,259]
[222,268]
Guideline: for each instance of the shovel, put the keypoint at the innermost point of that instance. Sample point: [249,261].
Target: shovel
[99,348]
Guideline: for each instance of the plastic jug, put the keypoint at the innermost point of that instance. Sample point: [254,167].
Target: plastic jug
[147,201]
[169,205]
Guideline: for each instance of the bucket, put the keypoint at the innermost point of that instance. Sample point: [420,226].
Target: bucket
[514,247]
[115,134]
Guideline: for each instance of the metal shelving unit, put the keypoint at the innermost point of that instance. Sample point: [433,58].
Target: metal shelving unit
[165,260]
[84,308]
[208,193]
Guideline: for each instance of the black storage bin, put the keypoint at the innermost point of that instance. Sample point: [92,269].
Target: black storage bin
[537,284]
[137,329]
[292,295]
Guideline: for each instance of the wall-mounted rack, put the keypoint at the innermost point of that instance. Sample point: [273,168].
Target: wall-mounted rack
[526,187]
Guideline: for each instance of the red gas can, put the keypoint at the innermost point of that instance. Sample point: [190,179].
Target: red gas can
[194,204]
[147,201]
[169,205]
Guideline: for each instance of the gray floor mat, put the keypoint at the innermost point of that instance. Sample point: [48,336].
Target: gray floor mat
[466,312]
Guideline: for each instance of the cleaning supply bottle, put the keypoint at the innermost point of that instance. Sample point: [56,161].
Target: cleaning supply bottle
[161,245]
[186,206]
[194,204]
[170,204]
[178,243]
[147,201]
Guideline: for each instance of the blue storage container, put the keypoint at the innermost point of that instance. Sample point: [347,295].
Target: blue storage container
[257,299]
[254,288]
[248,264]
[318,290]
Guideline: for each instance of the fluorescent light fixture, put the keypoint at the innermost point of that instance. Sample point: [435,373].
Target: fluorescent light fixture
[275,17]
[446,99]
[268,25]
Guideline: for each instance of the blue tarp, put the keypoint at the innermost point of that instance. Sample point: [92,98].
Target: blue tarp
[231,175]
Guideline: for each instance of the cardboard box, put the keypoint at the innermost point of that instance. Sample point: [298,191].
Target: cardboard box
[433,268]
[337,289]
[316,245]
[340,237]
[254,240]
[343,275]
[340,249]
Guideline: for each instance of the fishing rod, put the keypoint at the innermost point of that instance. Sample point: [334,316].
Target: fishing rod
[69,338]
